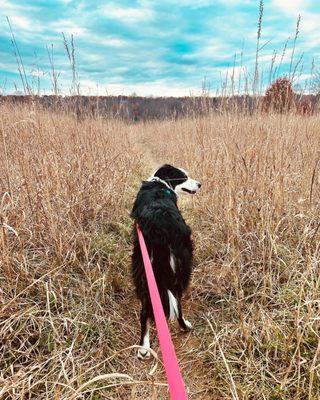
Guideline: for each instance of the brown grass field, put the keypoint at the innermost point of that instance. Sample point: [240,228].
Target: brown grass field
[69,317]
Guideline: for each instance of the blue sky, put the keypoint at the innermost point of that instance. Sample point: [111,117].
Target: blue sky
[154,47]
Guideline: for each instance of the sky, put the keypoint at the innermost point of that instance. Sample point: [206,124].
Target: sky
[156,47]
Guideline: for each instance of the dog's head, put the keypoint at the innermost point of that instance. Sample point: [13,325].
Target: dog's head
[177,179]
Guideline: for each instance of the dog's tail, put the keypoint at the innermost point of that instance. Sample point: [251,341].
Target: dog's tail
[173,306]
[173,311]
[164,278]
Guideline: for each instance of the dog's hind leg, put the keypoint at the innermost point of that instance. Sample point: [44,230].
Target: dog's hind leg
[185,325]
[143,352]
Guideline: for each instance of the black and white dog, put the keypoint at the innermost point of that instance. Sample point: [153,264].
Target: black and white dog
[168,240]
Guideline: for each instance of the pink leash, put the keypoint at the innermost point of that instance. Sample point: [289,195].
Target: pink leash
[175,381]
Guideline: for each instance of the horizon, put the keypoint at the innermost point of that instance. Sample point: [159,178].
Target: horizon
[157,50]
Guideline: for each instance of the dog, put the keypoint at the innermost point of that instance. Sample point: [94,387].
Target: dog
[169,244]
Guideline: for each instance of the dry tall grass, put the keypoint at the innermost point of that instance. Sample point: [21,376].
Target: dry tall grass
[64,248]
[68,311]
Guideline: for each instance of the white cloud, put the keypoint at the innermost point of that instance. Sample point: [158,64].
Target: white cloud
[9,66]
[216,50]
[157,88]
[291,7]
[194,4]
[127,14]
[236,2]
[304,77]
[18,18]
[6,5]
[69,27]
[91,57]
[24,29]
[89,87]
[109,41]
[21,22]
[310,22]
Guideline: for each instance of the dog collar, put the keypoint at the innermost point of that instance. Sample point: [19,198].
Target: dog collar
[169,191]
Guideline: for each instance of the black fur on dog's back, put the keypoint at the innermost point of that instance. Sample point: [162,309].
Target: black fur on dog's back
[166,234]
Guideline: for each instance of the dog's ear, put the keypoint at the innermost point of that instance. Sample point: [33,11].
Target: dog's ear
[164,171]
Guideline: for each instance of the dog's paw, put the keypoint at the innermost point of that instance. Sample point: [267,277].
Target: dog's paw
[188,326]
[143,354]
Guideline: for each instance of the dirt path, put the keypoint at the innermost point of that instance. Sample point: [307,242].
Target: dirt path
[149,153]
